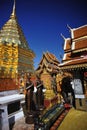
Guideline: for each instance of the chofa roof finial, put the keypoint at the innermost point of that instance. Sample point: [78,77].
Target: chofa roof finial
[69,27]
[63,36]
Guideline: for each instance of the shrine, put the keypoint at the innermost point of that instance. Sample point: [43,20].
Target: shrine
[48,69]
[49,72]
[75,62]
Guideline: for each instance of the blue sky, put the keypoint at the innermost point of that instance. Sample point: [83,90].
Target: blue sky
[43,21]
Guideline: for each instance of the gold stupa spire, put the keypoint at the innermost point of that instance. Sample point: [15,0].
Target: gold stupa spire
[13,11]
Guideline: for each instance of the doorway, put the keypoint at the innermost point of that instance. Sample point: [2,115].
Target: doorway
[67,91]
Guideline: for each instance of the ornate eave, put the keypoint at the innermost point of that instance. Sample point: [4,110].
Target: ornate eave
[80,63]
[79,50]
[74,67]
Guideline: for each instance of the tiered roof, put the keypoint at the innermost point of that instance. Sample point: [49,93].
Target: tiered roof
[75,48]
[49,62]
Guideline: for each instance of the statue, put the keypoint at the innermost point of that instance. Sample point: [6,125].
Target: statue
[30,106]
[34,100]
[39,100]
[40,94]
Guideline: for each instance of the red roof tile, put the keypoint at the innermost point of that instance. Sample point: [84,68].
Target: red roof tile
[79,32]
[80,44]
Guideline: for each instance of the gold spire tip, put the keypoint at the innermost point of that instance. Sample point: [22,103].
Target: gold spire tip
[13,12]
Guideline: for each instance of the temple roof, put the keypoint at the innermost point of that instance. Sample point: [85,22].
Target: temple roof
[48,61]
[79,32]
[75,49]
[11,32]
[75,63]
[78,40]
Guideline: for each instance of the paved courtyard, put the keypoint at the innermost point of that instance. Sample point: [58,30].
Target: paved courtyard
[75,120]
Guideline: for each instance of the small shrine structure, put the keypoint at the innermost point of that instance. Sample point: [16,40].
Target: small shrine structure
[47,70]
[75,62]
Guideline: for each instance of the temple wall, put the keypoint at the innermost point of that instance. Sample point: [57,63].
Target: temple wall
[8,84]
[8,60]
[13,61]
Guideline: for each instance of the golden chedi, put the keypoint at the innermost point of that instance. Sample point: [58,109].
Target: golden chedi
[15,55]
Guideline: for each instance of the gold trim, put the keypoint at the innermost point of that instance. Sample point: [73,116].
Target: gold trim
[74,66]
[80,50]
